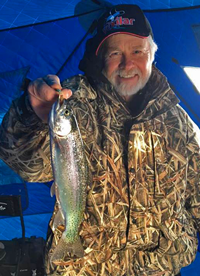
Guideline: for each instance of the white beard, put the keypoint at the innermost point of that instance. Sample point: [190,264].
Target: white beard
[125,89]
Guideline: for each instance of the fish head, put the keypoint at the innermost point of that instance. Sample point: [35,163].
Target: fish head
[61,119]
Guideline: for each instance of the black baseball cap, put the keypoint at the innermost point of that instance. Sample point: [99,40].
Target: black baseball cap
[126,19]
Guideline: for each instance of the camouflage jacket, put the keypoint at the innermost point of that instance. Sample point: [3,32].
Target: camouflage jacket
[143,203]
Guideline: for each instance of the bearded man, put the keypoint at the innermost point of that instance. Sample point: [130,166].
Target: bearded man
[143,207]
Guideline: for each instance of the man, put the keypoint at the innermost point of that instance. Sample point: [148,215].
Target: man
[143,206]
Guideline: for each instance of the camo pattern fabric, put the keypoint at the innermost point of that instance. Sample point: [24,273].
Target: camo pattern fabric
[142,211]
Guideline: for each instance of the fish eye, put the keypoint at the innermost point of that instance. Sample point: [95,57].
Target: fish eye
[67,113]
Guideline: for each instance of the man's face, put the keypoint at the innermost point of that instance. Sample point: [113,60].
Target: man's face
[128,63]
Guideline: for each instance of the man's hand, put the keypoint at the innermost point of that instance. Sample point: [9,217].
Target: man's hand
[43,92]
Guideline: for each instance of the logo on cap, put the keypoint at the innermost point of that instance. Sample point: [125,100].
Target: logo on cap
[3,206]
[116,21]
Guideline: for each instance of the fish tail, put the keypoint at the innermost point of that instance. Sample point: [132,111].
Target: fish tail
[64,246]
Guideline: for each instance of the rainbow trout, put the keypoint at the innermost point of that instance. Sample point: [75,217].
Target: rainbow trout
[70,172]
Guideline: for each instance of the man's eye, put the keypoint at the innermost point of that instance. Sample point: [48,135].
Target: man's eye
[113,54]
[137,52]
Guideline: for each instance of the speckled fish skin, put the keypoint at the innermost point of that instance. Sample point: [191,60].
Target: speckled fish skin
[70,172]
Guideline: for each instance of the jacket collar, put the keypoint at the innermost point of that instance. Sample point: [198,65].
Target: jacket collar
[161,96]
[155,98]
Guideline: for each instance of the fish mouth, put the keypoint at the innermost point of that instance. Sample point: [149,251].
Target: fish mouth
[59,135]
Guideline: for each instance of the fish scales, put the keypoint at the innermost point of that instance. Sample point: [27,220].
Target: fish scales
[68,157]
[71,176]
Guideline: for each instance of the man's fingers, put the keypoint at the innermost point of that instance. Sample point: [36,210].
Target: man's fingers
[66,93]
[53,81]
[40,90]
[47,90]
[43,92]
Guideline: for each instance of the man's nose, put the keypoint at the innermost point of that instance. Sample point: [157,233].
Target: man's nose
[127,62]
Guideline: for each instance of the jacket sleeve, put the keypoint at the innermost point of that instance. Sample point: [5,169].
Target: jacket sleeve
[193,175]
[24,142]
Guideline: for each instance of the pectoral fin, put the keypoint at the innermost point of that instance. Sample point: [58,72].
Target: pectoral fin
[58,220]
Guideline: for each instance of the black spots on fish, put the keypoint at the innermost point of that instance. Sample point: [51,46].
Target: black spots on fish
[74,220]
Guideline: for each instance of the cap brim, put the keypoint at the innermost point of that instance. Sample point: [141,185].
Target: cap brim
[96,53]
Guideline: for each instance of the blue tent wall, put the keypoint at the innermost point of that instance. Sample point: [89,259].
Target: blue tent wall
[178,47]
[22,12]
[46,47]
